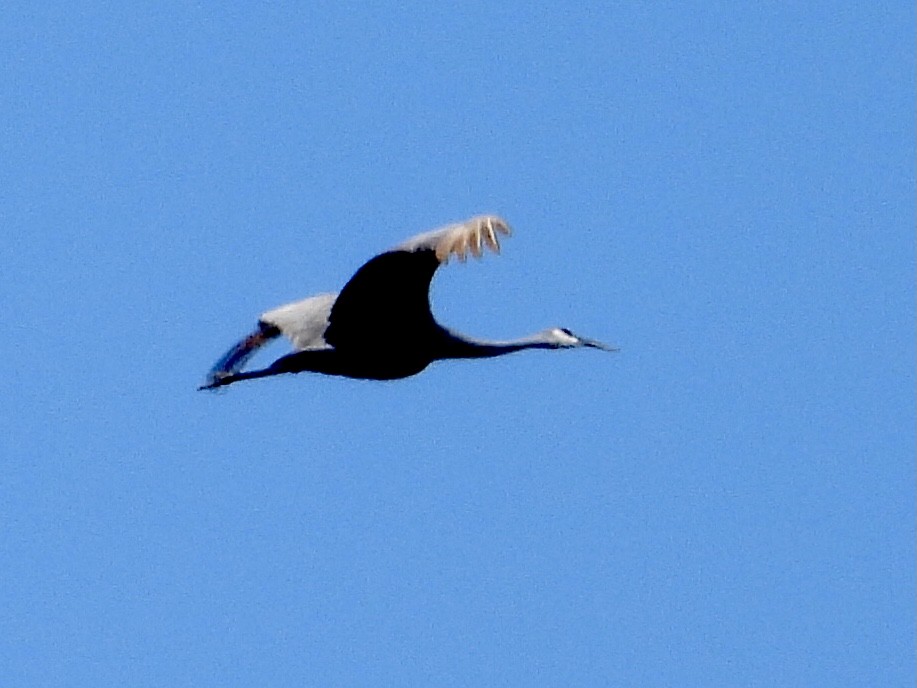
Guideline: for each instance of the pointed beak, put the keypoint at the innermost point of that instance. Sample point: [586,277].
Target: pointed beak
[594,344]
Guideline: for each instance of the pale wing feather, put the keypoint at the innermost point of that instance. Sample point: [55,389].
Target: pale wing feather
[470,236]
[303,322]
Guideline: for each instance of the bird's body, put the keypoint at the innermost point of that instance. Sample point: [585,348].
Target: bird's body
[380,326]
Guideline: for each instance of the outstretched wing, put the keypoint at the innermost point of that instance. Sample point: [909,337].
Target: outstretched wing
[302,322]
[386,304]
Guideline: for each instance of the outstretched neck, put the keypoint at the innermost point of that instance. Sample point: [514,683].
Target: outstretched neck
[459,346]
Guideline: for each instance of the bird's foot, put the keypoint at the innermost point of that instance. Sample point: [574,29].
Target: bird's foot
[216,380]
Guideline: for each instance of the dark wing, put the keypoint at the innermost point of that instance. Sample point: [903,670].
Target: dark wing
[237,356]
[386,304]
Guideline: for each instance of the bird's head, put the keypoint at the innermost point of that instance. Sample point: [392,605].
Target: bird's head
[562,338]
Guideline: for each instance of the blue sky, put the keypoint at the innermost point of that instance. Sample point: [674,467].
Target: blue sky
[724,190]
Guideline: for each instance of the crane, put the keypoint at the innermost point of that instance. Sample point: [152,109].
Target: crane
[380,327]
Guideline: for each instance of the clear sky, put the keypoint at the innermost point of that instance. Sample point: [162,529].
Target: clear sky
[725,190]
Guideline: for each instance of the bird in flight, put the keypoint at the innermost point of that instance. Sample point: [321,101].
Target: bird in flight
[380,327]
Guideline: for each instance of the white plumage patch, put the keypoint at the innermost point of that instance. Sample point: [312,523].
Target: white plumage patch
[303,322]
[563,339]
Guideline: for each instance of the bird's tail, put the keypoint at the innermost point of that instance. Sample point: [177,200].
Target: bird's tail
[230,362]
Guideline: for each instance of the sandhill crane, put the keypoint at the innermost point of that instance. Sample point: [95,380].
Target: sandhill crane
[380,326]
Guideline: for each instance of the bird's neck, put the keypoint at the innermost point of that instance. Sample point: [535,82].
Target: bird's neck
[455,345]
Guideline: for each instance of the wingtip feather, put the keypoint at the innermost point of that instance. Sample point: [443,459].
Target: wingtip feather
[471,236]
